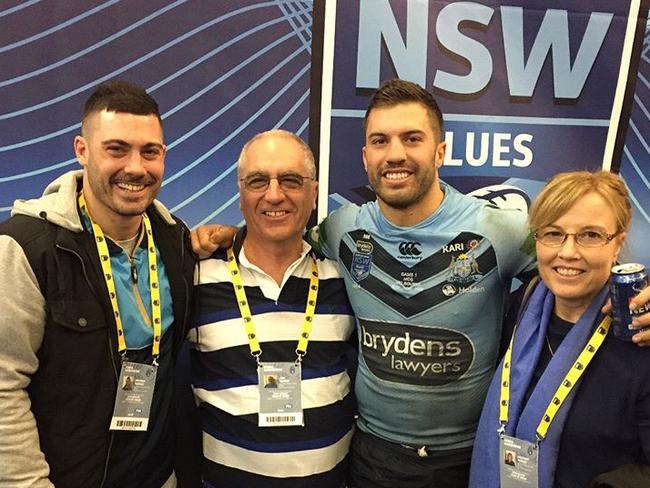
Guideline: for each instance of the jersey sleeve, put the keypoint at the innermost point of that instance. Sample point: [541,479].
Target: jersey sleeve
[513,242]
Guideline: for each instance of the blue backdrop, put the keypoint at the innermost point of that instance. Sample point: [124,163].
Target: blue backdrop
[221,72]
[515,82]
[635,163]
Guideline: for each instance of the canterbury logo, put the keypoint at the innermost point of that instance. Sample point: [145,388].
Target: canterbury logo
[409,249]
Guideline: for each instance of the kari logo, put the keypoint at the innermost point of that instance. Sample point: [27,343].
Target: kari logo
[473,244]
[453,247]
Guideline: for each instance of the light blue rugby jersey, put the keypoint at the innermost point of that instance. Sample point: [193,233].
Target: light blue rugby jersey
[429,301]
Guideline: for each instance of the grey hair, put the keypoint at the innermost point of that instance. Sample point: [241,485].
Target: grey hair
[309,155]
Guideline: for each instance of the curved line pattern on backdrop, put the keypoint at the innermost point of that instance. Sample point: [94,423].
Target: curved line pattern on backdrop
[221,72]
[635,164]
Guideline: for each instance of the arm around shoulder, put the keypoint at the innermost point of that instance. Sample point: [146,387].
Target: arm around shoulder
[513,242]
[642,302]
[326,236]
[22,316]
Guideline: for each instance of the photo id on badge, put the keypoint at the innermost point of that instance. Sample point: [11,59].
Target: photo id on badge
[279,385]
[518,463]
[133,399]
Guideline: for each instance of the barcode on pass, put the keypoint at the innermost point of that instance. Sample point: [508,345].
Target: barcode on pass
[280,418]
[129,423]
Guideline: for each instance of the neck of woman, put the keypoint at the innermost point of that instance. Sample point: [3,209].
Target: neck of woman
[569,311]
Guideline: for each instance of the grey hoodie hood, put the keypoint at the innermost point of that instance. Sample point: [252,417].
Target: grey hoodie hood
[58,204]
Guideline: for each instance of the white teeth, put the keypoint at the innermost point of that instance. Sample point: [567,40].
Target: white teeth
[276,213]
[396,176]
[568,271]
[130,187]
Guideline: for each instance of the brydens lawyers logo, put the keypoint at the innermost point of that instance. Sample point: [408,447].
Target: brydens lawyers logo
[410,249]
[415,354]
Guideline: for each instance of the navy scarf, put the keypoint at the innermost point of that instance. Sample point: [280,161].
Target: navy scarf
[523,419]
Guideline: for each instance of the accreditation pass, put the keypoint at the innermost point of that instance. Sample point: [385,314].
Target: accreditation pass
[133,399]
[519,463]
[280,394]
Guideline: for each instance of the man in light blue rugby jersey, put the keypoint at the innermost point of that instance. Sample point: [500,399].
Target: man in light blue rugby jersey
[427,271]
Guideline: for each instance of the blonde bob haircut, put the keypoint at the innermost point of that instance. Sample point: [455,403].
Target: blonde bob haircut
[564,189]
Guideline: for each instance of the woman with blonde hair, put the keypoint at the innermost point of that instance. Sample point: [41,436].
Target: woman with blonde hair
[569,399]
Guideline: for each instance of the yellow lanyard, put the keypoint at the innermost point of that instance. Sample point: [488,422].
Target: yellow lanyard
[154,289]
[244,309]
[566,385]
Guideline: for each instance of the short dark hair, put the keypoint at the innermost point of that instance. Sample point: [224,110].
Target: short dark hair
[121,96]
[394,92]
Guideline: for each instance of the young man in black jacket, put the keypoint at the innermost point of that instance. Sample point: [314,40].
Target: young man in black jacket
[96,282]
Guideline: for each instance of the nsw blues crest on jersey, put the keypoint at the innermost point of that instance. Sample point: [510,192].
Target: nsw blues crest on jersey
[361,259]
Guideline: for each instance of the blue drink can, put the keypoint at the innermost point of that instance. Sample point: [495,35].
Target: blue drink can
[626,282]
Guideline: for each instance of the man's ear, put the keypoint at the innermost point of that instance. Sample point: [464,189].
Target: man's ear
[363,156]
[441,149]
[81,150]
[315,195]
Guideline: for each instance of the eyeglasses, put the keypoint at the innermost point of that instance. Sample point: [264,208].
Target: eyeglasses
[259,182]
[584,238]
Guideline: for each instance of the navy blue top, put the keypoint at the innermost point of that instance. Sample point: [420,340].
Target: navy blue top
[609,422]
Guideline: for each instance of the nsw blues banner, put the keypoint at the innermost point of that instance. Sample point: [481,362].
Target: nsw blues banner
[528,88]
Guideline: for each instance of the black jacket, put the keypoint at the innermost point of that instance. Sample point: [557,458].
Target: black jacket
[72,393]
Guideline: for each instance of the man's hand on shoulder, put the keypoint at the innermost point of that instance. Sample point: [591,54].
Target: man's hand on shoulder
[642,338]
[206,239]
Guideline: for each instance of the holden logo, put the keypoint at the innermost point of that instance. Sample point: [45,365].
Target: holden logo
[448,289]
[410,248]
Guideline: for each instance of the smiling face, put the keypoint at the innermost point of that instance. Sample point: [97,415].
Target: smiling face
[276,216]
[123,159]
[402,156]
[575,274]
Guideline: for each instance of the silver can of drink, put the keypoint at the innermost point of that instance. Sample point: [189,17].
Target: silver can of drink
[626,281]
